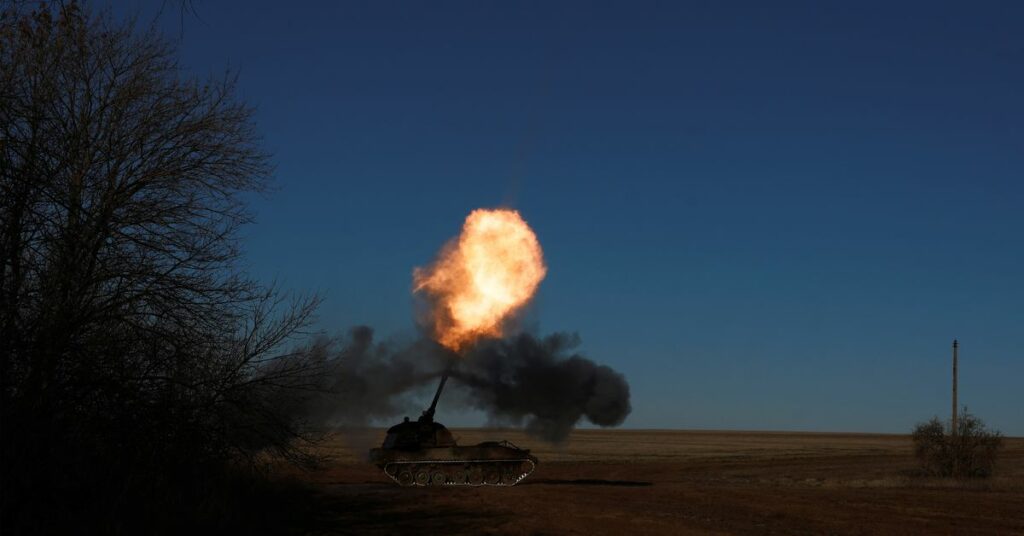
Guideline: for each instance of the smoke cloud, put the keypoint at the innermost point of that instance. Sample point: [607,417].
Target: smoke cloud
[539,383]
[368,381]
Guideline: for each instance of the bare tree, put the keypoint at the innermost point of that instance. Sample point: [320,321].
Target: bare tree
[968,450]
[128,334]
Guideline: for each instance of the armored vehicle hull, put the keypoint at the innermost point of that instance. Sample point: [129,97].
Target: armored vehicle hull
[486,464]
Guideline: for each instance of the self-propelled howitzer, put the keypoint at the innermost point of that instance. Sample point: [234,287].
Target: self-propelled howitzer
[424,453]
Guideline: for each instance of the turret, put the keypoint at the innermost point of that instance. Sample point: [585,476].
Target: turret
[424,432]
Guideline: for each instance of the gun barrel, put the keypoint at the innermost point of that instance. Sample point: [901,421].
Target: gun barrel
[437,395]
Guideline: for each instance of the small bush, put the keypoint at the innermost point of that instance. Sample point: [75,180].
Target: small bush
[970,452]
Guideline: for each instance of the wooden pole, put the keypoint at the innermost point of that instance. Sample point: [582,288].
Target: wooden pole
[955,346]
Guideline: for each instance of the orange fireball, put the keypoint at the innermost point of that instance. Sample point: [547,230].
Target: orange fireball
[481,278]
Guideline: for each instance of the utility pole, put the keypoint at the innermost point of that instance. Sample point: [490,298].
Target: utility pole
[953,430]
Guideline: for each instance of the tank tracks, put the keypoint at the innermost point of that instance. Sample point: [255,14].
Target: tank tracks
[459,472]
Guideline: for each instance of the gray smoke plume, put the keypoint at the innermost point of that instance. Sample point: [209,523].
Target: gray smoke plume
[540,382]
[522,380]
[367,381]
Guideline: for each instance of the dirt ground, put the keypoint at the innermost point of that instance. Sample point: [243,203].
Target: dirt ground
[678,482]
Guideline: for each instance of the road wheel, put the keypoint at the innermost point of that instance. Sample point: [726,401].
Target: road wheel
[459,476]
[422,477]
[476,476]
[405,477]
[438,478]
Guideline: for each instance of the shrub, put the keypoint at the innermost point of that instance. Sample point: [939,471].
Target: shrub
[969,452]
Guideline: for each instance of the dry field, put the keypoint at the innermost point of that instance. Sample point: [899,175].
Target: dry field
[678,482]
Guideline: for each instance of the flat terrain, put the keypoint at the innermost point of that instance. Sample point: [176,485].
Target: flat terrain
[678,482]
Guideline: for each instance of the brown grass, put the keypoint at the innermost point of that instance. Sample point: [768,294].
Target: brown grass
[682,482]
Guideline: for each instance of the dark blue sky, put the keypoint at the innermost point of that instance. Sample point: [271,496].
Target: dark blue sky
[766,217]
